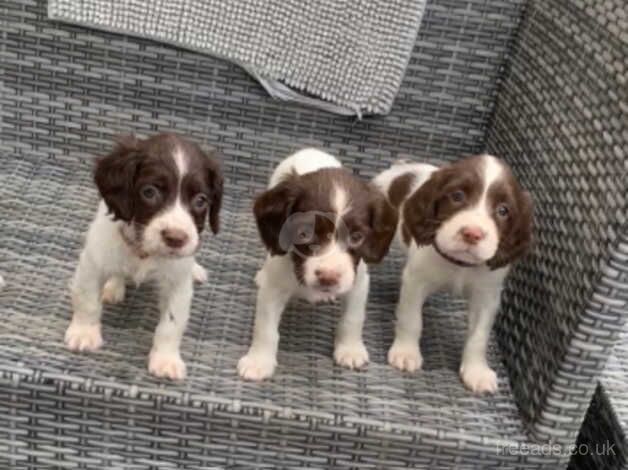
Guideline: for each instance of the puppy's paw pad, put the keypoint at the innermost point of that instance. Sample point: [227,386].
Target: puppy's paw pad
[405,356]
[80,337]
[113,291]
[351,354]
[479,378]
[256,366]
[166,365]
[199,273]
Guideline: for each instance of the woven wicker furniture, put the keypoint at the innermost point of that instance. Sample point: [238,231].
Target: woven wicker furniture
[540,83]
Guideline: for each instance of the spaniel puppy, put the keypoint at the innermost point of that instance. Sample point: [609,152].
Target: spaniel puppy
[463,225]
[157,195]
[320,225]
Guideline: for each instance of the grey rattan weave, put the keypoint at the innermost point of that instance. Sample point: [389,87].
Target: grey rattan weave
[559,118]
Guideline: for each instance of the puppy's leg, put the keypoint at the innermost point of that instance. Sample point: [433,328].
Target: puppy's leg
[175,298]
[84,333]
[349,349]
[113,291]
[199,273]
[474,370]
[404,353]
[260,361]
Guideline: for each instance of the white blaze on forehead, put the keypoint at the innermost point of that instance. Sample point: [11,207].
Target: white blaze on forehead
[340,201]
[492,171]
[180,161]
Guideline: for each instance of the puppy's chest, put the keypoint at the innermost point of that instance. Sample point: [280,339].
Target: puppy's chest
[141,270]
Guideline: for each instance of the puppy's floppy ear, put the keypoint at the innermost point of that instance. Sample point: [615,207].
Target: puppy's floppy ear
[215,180]
[114,176]
[518,240]
[271,210]
[383,218]
[420,210]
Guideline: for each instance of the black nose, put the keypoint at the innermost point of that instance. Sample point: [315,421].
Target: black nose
[174,238]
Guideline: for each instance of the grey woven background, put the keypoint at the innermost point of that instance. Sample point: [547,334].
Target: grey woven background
[66,91]
[352,53]
[562,118]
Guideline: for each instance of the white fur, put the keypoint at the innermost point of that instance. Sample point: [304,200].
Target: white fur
[302,162]
[174,216]
[277,284]
[426,272]
[449,238]
[177,217]
[105,263]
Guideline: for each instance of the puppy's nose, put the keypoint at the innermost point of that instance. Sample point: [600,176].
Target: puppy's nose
[472,234]
[174,237]
[327,278]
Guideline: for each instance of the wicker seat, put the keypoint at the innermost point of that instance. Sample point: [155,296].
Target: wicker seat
[540,83]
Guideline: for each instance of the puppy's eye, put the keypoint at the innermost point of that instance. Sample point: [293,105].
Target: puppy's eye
[356,239]
[150,194]
[200,202]
[458,196]
[502,211]
[305,234]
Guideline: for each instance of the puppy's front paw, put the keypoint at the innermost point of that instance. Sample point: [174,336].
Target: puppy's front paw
[256,366]
[166,365]
[405,356]
[81,337]
[351,354]
[478,377]
[113,291]
[199,273]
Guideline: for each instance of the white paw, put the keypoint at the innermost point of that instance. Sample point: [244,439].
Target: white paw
[351,354]
[199,273]
[405,356]
[478,377]
[113,291]
[256,366]
[166,365]
[79,337]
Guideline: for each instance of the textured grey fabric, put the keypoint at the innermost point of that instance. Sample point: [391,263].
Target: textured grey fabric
[349,54]
[65,91]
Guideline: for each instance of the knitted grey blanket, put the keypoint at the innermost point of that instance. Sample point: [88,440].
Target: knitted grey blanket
[347,56]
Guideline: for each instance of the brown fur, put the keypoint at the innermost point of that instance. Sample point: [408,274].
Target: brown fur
[432,204]
[135,163]
[400,188]
[305,201]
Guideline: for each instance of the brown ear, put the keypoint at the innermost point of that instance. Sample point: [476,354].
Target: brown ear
[271,210]
[216,182]
[114,176]
[383,223]
[519,238]
[420,217]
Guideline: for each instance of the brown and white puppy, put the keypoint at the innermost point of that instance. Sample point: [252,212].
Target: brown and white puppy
[157,195]
[320,225]
[463,224]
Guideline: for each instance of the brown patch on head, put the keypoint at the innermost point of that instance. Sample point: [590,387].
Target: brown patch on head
[140,178]
[512,210]
[450,189]
[400,188]
[203,177]
[299,216]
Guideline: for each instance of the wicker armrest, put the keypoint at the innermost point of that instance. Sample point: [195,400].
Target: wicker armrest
[561,121]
